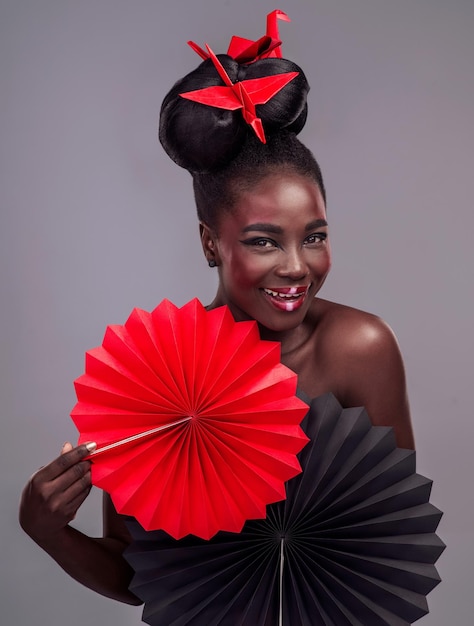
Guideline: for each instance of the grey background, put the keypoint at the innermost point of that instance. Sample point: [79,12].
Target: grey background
[96,220]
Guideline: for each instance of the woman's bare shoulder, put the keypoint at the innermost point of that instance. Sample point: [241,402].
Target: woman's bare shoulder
[358,356]
[352,330]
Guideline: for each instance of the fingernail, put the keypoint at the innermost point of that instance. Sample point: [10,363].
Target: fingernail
[91,446]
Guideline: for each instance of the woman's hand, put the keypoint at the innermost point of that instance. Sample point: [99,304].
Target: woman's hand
[50,500]
[53,494]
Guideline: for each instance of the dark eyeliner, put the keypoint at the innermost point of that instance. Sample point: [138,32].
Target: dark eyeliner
[254,241]
[318,236]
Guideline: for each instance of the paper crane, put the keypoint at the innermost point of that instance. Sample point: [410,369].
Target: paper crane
[247,51]
[243,94]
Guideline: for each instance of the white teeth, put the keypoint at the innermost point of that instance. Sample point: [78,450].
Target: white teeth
[289,296]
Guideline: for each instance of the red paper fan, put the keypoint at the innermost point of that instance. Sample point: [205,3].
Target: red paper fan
[196,419]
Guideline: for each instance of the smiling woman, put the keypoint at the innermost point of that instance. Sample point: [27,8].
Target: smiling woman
[261,204]
[270,243]
[272,251]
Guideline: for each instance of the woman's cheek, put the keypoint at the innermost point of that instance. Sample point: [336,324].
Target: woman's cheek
[249,270]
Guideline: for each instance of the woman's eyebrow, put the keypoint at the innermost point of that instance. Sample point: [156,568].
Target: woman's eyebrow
[316,224]
[277,230]
[264,228]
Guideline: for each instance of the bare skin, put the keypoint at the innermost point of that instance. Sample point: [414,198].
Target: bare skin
[355,355]
[275,239]
[50,501]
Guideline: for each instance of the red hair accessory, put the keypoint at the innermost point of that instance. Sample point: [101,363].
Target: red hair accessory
[247,51]
[243,94]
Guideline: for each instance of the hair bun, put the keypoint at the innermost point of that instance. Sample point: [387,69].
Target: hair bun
[203,138]
[288,108]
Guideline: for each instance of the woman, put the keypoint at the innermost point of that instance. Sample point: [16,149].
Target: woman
[261,205]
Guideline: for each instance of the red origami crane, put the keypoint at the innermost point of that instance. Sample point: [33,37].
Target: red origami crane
[243,94]
[247,51]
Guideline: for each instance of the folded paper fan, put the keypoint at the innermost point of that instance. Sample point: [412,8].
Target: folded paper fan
[196,419]
[353,544]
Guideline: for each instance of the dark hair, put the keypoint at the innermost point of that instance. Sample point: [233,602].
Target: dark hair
[217,146]
[218,191]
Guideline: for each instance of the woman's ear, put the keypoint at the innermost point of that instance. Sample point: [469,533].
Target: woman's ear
[209,244]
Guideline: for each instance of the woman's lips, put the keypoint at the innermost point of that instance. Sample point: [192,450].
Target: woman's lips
[286,298]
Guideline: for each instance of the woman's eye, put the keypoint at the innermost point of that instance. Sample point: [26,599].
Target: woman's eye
[260,242]
[316,238]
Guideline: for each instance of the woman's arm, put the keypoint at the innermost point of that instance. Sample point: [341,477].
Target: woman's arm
[50,501]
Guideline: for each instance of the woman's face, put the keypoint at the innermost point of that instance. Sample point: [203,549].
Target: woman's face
[272,251]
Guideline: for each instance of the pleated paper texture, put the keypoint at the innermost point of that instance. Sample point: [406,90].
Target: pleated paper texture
[353,544]
[196,419]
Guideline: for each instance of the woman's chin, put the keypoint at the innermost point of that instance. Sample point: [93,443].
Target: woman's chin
[286,323]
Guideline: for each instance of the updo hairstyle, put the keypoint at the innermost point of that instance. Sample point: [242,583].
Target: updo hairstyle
[217,146]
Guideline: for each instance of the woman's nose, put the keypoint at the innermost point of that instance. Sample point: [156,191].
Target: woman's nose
[293,265]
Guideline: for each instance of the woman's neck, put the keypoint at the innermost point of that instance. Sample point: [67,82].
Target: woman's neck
[290,340]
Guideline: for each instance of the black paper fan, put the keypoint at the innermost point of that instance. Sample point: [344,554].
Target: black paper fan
[353,544]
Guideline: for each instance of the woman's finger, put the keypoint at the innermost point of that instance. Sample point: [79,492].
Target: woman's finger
[67,447]
[64,462]
[81,486]
[76,502]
